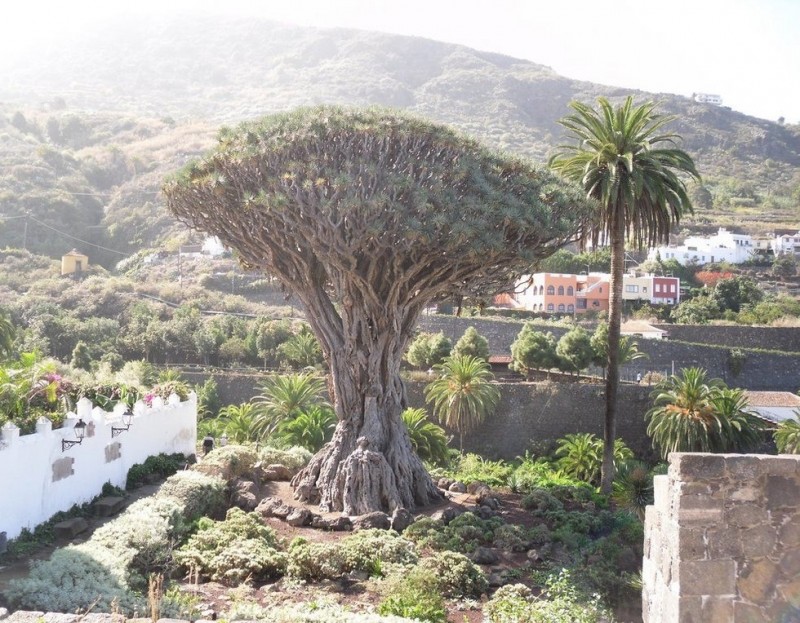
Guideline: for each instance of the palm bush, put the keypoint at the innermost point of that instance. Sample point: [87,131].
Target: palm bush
[428,439]
[238,422]
[692,413]
[284,397]
[580,456]
[633,487]
[310,430]
[463,393]
[787,437]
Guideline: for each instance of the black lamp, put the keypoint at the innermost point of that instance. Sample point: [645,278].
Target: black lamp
[80,433]
[127,418]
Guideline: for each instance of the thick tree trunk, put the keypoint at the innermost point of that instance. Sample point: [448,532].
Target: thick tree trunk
[370,463]
[614,328]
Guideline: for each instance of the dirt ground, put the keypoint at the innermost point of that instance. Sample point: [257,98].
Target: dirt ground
[353,592]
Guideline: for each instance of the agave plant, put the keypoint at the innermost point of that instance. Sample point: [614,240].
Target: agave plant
[633,487]
[429,440]
[787,437]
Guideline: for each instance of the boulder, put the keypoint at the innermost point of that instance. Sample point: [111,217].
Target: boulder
[444,483]
[277,471]
[457,487]
[245,500]
[378,520]
[299,517]
[108,506]
[70,528]
[337,524]
[273,507]
[401,519]
[473,487]
[484,556]
[446,515]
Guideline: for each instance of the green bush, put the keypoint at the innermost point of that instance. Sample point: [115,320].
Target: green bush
[455,574]
[232,551]
[364,549]
[314,561]
[200,495]
[295,458]
[415,595]
[561,602]
[229,462]
[474,468]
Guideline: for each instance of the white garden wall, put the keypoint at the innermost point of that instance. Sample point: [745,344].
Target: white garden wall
[38,479]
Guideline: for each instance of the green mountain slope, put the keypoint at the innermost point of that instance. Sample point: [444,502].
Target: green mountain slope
[109,113]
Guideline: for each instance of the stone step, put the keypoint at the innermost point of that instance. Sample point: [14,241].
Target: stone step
[108,506]
[70,528]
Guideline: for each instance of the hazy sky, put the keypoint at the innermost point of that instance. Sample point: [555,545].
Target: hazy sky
[747,51]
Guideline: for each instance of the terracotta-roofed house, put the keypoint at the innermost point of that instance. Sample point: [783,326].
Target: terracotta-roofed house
[775,407]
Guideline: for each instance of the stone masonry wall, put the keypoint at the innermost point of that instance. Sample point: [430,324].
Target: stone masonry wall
[722,541]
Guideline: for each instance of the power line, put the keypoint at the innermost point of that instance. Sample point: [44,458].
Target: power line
[91,244]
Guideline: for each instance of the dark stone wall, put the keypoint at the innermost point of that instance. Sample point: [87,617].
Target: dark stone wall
[761,371]
[530,415]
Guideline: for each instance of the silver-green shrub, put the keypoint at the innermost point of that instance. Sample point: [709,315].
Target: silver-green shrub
[455,574]
[295,458]
[234,550]
[198,494]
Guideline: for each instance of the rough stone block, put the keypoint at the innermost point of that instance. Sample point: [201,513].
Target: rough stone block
[744,469]
[707,577]
[724,542]
[746,516]
[789,592]
[3,613]
[690,609]
[782,492]
[790,563]
[661,488]
[757,580]
[58,617]
[102,617]
[692,544]
[24,616]
[744,612]
[790,532]
[758,541]
[688,467]
[108,506]
[717,610]
[787,465]
[70,528]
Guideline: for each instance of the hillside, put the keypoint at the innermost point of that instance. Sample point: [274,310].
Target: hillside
[92,122]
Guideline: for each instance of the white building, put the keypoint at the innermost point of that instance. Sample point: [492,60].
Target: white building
[786,244]
[708,98]
[724,246]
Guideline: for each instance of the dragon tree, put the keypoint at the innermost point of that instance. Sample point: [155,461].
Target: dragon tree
[368,216]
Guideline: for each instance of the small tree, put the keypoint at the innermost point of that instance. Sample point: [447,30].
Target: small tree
[473,344]
[736,292]
[81,357]
[428,350]
[463,394]
[784,266]
[574,350]
[533,349]
[302,350]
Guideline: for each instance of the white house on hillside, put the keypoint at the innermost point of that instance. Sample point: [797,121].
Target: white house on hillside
[724,246]
[786,244]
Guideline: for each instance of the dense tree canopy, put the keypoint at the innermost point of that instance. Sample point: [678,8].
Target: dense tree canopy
[368,216]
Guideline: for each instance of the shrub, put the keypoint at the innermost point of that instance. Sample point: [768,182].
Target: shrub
[362,550]
[314,561]
[414,595]
[234,550]
[455,574]
[787,437]
[199,495]
[563,603]
[473,467]
[229,462]
[295,458]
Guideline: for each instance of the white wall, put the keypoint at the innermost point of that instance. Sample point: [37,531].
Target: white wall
[29,492]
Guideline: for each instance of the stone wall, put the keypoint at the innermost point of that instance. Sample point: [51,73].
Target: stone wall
[761,371]
[722,541]
[528,413]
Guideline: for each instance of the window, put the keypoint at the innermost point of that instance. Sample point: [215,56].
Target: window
[631,288]
[672,287]
[595,303]
[561,307]
[550,307]
[541,290]
[658,287]
[571,308]
[551,290]
[581,303]
[560,290]
[570,292]
[644,288]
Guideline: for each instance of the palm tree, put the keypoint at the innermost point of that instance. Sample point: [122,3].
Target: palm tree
[284,397]
[463,393]
[632,171]
[787,437]
[239,422]
[429,439]
[7,334]
[310,429]
[692,413]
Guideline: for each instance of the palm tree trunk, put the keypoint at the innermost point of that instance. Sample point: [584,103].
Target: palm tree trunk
[614,328]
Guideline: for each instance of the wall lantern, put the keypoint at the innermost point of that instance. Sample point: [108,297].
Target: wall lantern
[127,419]
[80,433]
